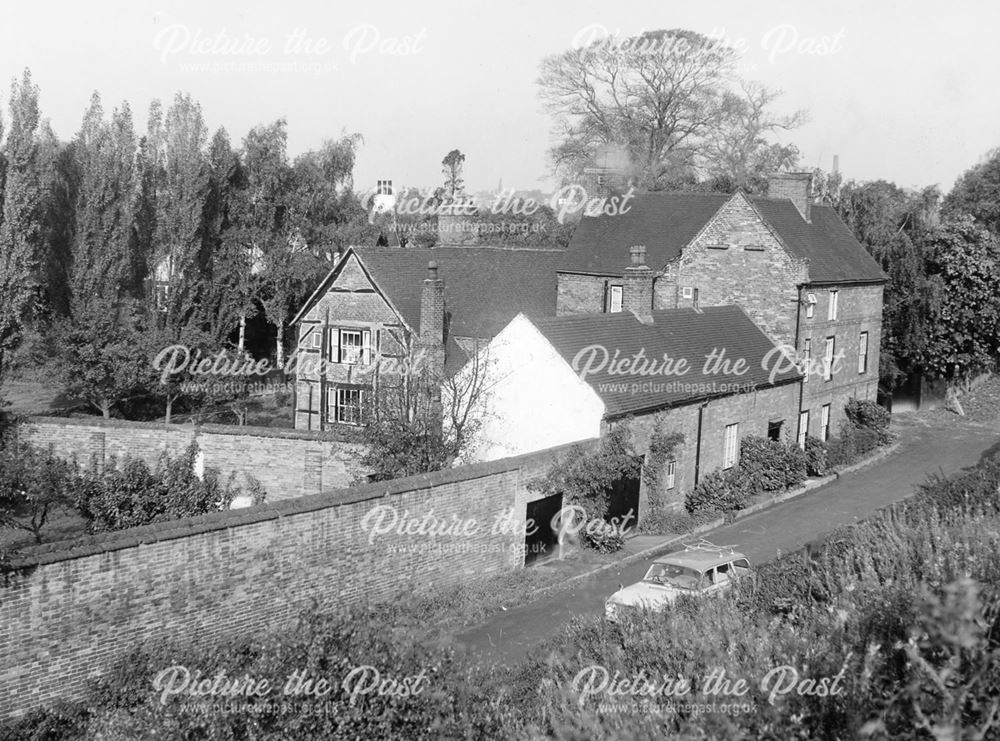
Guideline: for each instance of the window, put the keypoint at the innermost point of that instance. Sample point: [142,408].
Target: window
[346,405]
[824,423]
[731,446]
[810,305]
[671,474]
[383,187]
[694,298]
[352,346]
[828,359]
[807,349]
[774,430]
[831,313]
[863,353]
[317,338]
[687,292]
[803,428]
[614,299]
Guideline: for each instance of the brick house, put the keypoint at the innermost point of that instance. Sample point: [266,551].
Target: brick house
[793,265]
[551,387]
[379,304]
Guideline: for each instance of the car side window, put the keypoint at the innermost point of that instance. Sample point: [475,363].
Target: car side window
[722,573]
[741,567]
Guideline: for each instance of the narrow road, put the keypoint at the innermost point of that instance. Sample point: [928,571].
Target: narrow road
[510,636]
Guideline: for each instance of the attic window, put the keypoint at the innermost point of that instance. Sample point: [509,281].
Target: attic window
[753,247]
[717,246]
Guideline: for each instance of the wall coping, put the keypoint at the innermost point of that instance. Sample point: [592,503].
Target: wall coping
[194,429]
[88,545]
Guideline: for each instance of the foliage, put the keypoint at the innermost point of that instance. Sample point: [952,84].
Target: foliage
[451,168]
[722,491]
[852,444]
[964,334]
[34,485]
[817,457]
[20,218]
[586,478]
[129,493]
[977,193]
[868,414]
[771,464]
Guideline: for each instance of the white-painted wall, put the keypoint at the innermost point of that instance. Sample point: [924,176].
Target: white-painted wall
[534,400]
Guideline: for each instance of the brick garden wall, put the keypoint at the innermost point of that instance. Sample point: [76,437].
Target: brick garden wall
[288,463]
[68,610]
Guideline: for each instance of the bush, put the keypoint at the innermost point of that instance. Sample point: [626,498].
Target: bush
[852,444]
[868,415]
[721,491]
[773,465]
[817,457]
[130,494]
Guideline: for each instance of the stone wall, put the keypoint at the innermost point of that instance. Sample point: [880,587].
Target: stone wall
[288,463]
[752,411]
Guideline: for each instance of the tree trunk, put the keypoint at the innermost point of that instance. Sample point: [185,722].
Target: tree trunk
[279,346]
[106,411]
[170,404]
[243,332]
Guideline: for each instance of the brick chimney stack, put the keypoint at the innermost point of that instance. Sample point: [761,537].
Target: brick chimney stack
[637,289]
[432,309]
[795,186]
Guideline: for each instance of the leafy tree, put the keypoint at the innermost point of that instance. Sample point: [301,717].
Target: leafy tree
[977,193]
[451,168]
[100,353]
[666,99]
[964,330]
[20,226]
[34,484]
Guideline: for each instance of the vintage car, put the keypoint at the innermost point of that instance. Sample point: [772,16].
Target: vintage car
[699,570]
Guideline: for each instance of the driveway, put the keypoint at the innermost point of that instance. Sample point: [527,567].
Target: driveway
[924,449]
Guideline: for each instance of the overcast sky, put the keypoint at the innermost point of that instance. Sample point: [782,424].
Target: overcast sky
[905,92]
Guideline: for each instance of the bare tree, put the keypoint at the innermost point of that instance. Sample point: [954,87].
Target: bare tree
[662,96]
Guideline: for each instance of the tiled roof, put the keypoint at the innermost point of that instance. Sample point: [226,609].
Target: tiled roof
[676,333]
[484,287]
[664,222]
[667,222]
[834,255]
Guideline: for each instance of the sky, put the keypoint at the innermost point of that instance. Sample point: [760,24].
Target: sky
[902,91]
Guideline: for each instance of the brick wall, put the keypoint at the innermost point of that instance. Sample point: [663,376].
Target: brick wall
[582,294]
[288,463]
[68,610]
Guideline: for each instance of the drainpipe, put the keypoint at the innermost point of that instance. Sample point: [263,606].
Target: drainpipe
[802,386]
[697,444]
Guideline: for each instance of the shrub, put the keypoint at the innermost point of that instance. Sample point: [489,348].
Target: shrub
[773,465]
[130,494]
[852,443]
[817,457]
[34,484]
[721,491]
[868,415]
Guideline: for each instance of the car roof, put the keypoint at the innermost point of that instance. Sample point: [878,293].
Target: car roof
[700,558]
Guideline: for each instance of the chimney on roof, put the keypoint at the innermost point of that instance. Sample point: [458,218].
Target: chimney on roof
[432,310]
[637,288]
[795,186]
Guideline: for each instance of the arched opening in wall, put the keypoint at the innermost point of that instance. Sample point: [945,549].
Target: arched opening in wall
[540,539]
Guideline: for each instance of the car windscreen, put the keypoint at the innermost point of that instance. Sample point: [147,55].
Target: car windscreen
[673,575]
